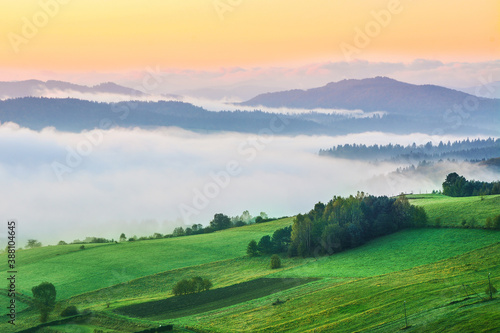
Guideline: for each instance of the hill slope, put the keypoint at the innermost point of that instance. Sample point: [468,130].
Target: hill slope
[77,271]
[434,295]
[359,289]
[453,211]
[377,94]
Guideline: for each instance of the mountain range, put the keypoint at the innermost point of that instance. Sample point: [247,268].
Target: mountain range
[37,88]
[378,94]
[407,108]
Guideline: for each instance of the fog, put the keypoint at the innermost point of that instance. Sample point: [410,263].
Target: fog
[67,186]
[223,104]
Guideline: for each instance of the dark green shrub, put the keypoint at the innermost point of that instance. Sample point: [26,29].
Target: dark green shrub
[69,311]
[275,261]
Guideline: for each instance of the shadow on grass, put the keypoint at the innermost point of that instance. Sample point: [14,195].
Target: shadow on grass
[186,305]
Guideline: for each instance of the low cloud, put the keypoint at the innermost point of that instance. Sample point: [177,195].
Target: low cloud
[224,104]
[141,181]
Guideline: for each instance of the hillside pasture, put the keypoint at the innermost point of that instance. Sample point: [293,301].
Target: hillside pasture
[452,211]
[75,271]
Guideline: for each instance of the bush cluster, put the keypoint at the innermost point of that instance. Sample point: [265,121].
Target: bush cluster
[189,286]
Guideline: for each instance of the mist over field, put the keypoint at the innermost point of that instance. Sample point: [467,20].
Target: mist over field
[67,186]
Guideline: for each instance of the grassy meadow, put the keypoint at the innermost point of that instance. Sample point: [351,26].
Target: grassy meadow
[452,211]
[399,251]
[432,292]
[77,271]
[362,289]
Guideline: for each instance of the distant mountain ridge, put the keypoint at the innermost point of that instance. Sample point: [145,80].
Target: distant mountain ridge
[75,115]
[37,88]
[408,109]
[377,94]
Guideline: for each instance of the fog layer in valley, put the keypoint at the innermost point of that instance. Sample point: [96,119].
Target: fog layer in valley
[67,186]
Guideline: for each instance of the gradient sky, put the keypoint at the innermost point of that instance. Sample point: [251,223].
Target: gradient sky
[97,35]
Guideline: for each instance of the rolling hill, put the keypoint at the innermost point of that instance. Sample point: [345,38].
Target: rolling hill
[360,289]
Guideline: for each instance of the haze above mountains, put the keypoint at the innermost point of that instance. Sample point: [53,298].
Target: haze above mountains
[399,108]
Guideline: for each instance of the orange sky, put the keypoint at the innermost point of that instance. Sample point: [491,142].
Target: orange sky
[97,35]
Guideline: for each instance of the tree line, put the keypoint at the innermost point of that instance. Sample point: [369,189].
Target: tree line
[457,186]
[464,150]
[341,224]
[219,222]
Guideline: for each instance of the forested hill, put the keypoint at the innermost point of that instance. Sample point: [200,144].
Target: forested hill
[76,115]
[477,149]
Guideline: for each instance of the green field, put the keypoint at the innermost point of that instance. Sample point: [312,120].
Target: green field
[186,305]
[452,211]
[77,271]
[362,289]
[396,252]
[433,294]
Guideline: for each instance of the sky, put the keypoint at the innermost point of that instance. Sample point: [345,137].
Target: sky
[51,38]
[216,51]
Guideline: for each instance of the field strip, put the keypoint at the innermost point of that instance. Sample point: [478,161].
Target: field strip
[192,304]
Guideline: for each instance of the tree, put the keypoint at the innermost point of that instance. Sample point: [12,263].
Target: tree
[44,296]
[206,284]
[275,261]
[252,249]
[453,184]
[62,243]
[179,231]
[401,211]
[32,243]
[301,234]
[220,222]
[246,217]
[123,238]
[183,287]
[281,239]
[239,224]
[189,286]
[265,245]
[197,229]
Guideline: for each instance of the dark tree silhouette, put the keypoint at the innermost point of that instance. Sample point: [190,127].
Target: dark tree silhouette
[45,299]
[220,222]
[252,249]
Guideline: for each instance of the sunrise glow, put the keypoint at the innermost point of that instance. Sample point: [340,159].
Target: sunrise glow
[94,35]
